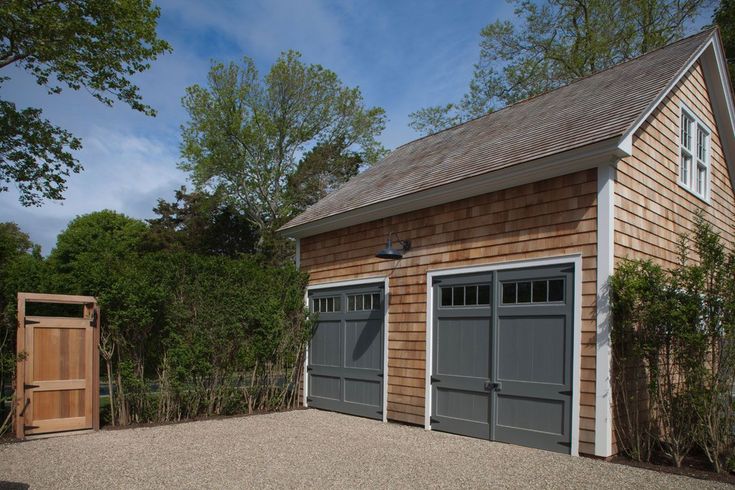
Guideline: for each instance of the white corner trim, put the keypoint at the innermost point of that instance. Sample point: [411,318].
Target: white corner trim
[626,142]
[575,259]
[605,267]
[386,327]
[297,255]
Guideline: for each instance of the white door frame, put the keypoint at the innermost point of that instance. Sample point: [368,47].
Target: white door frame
[386,303]
[576,260]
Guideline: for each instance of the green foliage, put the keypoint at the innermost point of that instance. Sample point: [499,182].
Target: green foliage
[21,269]
[97,45]
[672,338]
[245,133]
[724,18]
[200,223]
[183,334]
[92,249]
[556,42]
[33,154]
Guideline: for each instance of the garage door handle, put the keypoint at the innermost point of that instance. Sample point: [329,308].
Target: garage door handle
[490,386]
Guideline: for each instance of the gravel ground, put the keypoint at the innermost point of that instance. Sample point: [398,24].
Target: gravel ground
[306,448]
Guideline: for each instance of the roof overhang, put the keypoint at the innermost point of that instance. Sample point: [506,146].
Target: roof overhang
[714,66]
[589,156]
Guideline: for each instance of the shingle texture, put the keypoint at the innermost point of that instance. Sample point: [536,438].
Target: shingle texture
[590,110]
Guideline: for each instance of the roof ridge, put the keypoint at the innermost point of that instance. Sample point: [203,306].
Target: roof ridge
[576,80]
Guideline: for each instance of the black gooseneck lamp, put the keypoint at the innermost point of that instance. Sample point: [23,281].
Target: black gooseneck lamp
[391,253]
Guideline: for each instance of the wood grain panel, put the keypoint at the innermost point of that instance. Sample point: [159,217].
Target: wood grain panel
[59,354]
[548,218]
[58,404]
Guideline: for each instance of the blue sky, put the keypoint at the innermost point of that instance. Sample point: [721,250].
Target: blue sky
[403,55]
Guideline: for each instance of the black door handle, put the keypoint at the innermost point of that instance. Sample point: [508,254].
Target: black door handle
[490,386]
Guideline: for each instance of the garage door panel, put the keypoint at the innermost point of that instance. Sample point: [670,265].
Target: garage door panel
[325,387]
[363,348]
[462,347]
[531,414]
[325,344]
[533,349]
[463,405]
[363,392]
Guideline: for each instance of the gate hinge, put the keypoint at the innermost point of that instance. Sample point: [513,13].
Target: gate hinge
[26,321]
[30,427]
[434,380]
[26,386]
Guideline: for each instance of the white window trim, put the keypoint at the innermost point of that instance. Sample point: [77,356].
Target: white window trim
[691,186]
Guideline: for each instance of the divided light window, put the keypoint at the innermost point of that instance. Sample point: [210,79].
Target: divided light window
[694,167]
[453,296]
[363,302]
[326,305]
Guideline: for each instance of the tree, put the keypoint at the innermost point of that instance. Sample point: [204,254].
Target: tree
[92,44]
[557,42]
[93,249]
[245,134]
[724,18]
[322,169]
[200,223]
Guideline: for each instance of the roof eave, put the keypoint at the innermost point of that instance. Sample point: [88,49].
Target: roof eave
[588,156]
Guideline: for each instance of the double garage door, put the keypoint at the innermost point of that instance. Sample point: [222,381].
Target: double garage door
[502,356]
[345,369]
[501,366]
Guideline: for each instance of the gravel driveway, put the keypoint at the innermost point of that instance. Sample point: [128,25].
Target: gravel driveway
[306,448]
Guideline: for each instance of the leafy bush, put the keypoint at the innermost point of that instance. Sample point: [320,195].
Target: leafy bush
[673,361]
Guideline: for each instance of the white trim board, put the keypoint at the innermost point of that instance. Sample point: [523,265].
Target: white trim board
[575,259]
[386,328]
[605,268]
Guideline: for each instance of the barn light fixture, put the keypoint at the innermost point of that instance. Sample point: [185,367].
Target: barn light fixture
[391,253]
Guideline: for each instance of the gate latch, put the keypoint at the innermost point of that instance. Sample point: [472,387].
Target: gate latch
[490,386]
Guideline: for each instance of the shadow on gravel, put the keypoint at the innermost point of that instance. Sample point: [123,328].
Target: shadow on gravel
[13,485]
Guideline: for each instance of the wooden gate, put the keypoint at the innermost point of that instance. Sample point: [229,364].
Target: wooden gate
[58,368]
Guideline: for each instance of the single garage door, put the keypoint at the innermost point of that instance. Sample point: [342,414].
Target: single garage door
[502,356]
[345,368]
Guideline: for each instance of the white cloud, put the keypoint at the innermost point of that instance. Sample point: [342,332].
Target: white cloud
[124,172]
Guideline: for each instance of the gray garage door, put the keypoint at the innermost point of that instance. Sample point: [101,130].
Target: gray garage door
[503,355]
[346,351]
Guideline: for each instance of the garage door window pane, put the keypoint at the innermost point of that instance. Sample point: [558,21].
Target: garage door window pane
[471,295]
[556,290]
[376,301]
[524,292]
[539,291]
[509,292]
[483,295]
[446,296]
[458,296]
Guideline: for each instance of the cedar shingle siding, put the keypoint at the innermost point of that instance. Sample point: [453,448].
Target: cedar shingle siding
[553,217]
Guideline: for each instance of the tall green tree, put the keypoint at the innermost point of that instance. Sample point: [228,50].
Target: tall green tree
[245,134]
[200,223]
[92,44]
[724,18]
[556,42]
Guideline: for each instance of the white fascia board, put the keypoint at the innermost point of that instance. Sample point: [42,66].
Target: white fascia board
[571,161]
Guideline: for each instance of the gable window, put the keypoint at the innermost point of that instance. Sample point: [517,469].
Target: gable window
[694,154]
